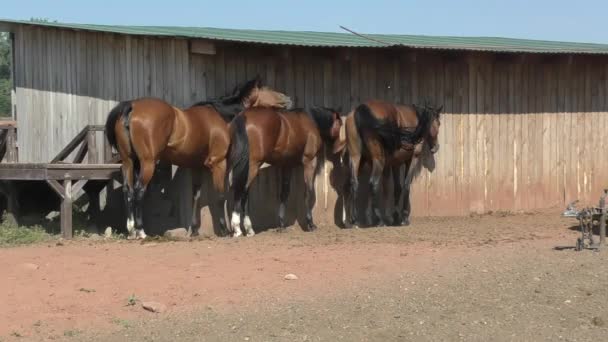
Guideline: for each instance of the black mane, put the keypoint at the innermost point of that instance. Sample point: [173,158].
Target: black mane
[425,114]
[230,105]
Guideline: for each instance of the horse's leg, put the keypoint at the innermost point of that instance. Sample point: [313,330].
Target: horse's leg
[254,168]
[354,187]
[128,195]
[375,182]
[235,220]
[385,178]
[397,189]
[285,185]
[218,172]
[405,218]
[196,203]
[141,183]
[309,181]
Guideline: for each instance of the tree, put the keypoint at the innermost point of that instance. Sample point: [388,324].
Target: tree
[5,75]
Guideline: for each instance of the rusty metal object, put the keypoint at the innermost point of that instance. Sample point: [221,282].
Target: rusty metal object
[588,217]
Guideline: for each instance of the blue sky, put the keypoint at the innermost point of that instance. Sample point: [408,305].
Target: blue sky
[582,20]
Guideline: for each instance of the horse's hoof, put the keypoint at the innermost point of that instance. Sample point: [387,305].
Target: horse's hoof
[311,227]
[405,222]
[237,233]
[250,233]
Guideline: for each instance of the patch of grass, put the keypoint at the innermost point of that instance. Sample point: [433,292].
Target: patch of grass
[71,333]
[132,300]
[12,234]
[82,289]
[122,322]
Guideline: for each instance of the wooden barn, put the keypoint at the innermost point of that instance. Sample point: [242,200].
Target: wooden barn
[524,123]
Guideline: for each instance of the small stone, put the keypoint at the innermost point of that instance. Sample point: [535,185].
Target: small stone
[108,232]
[60,242]
[291,276]
[598,321]
[567,301]
[177,234]
[95,237]
[30,266]
[154,307]
[536,279]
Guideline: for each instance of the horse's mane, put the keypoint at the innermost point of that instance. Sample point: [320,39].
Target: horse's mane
[230,105]
[425,114]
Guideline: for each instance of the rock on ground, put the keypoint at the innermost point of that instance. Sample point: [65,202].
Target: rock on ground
[154,306]
[177,234]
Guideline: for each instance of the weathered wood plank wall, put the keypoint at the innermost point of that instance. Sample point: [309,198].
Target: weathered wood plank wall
[519,131]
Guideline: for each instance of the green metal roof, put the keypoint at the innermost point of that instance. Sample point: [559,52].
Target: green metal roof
[333,39]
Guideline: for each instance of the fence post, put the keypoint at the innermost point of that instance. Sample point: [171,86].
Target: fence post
[92,147]
[603,218]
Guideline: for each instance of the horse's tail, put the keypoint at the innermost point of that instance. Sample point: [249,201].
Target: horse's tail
[238,158]
[388,131]
[122,109]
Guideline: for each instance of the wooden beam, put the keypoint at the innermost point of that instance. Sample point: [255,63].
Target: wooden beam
[58,188]
[92,147]
[71,146]
[66,210]
[78,186]
[82,152]
[11,145]
[202,47]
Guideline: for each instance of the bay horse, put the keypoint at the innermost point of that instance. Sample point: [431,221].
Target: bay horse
[282,138]
[148,130]
[388,136]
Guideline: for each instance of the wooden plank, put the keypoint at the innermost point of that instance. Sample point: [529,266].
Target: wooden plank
[66,210]
[82,152]
[57,187]
[70,146]
[93,157]
[473,166]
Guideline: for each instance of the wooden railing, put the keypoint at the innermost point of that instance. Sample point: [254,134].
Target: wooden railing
[86,139]
[8,141]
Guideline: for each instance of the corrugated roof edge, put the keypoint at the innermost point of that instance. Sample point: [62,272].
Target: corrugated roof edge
[335,39]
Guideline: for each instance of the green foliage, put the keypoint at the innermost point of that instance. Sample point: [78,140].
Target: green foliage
[5,75]
[13,235]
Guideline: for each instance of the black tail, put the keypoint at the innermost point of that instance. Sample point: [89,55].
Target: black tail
[389,133]
[121,109]
[238,159]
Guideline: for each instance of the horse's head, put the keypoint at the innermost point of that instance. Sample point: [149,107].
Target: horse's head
[262,96]
[432,116]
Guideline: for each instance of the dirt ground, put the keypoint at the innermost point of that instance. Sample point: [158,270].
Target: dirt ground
[497,277]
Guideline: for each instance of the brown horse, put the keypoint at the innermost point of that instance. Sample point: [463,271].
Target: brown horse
[388,136]
[280,138]
[148,130]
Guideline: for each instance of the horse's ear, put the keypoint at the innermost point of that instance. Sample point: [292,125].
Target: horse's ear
[439,110]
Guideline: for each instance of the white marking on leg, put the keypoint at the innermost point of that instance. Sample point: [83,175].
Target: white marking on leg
[131,227]
[140,234]
[235,223]
[248,226]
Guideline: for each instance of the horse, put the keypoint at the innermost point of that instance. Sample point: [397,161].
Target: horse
[388,136]
[149,130]
[283,138]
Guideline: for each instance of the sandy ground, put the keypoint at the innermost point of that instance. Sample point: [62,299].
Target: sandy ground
[497,277]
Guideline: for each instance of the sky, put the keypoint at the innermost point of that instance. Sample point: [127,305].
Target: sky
[578,21]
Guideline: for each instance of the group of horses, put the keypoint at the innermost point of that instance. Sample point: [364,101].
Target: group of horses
[234,135]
